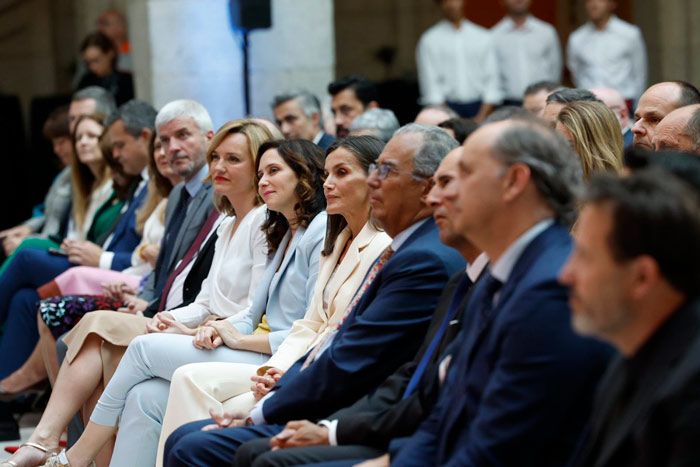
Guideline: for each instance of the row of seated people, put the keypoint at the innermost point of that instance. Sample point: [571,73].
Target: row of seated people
[337,283]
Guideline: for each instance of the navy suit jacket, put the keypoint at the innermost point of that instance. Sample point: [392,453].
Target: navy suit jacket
[384,331]
[520,386]
[325,141]
[124,239]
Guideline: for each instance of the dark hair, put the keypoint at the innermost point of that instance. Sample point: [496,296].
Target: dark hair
[102,42]
[366,150]
[689,94]
[462,127]
[684,166]
[507,112]
[56,124]
[306,160]
[365,90]
[569,95]
[653,214]
[136,115]
[534,88]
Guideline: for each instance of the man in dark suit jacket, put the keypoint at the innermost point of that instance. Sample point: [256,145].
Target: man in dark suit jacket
[520,382]
[383,328]
[34,268]
[298,115]
[364,429]
[632,287]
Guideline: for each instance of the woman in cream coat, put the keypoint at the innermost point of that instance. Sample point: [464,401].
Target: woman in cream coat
[353,243]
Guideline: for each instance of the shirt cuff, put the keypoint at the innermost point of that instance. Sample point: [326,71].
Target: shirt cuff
[106,259]
[332,426]
[256,413]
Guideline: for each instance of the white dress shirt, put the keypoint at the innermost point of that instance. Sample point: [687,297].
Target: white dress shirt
[239,262]
[457,64]
[526,54]
[613,57]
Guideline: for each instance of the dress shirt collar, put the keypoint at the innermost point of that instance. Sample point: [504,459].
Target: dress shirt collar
[475,269]
[402,236]
[504,266]
[318,137]
[195,183]
[511,26]
[611,24]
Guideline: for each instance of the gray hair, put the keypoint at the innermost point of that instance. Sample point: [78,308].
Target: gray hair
[436,144]
[555,168]
[693,129]
[104,101]
[569,95]
[308,102]
[185,108]
[136,116]
[381,123]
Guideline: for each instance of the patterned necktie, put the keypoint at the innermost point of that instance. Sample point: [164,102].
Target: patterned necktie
[329,335]
[189,256]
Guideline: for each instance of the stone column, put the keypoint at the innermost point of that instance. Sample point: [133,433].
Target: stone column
[188,49]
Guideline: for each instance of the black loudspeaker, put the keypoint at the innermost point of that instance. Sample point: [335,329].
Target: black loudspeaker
[250,14]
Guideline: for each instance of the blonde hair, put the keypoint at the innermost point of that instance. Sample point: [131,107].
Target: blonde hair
[597,136]
[256,134]
[84,182]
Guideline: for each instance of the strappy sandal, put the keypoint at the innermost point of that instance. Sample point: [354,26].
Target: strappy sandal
[61,460]
[37,446]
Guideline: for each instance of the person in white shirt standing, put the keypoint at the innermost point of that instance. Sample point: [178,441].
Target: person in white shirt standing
[457,64]
[527,50]
[609,52]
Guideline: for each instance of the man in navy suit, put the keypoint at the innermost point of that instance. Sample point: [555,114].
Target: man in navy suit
[381,331]
[364,429]
[519,383]
[299,116]
[633,286]
[131,130]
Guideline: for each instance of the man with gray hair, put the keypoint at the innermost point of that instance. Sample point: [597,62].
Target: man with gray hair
[679,131]
[380,331]
[518,362]
[557,100]
[380,123]
[88,101]
[298,114]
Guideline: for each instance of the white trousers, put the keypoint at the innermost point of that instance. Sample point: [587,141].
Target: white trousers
[147,357]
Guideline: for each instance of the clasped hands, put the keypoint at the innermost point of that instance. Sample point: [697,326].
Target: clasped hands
[82,252]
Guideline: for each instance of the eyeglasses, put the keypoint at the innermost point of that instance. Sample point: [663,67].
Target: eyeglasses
[383,170]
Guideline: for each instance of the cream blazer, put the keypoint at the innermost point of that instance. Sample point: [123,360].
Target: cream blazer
[340,288]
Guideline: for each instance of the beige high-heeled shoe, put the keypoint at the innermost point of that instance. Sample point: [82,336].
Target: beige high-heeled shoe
[61,460]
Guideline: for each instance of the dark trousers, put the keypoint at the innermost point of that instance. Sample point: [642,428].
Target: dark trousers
[30,268]
[465,109]
[257,453]
[190,446]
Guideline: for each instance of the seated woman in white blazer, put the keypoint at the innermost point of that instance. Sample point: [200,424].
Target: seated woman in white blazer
[352,245]
[290,176]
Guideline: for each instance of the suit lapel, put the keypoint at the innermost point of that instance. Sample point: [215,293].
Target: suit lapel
[191,216]
[288,258]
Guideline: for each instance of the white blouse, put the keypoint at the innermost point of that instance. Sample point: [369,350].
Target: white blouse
[238,264]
